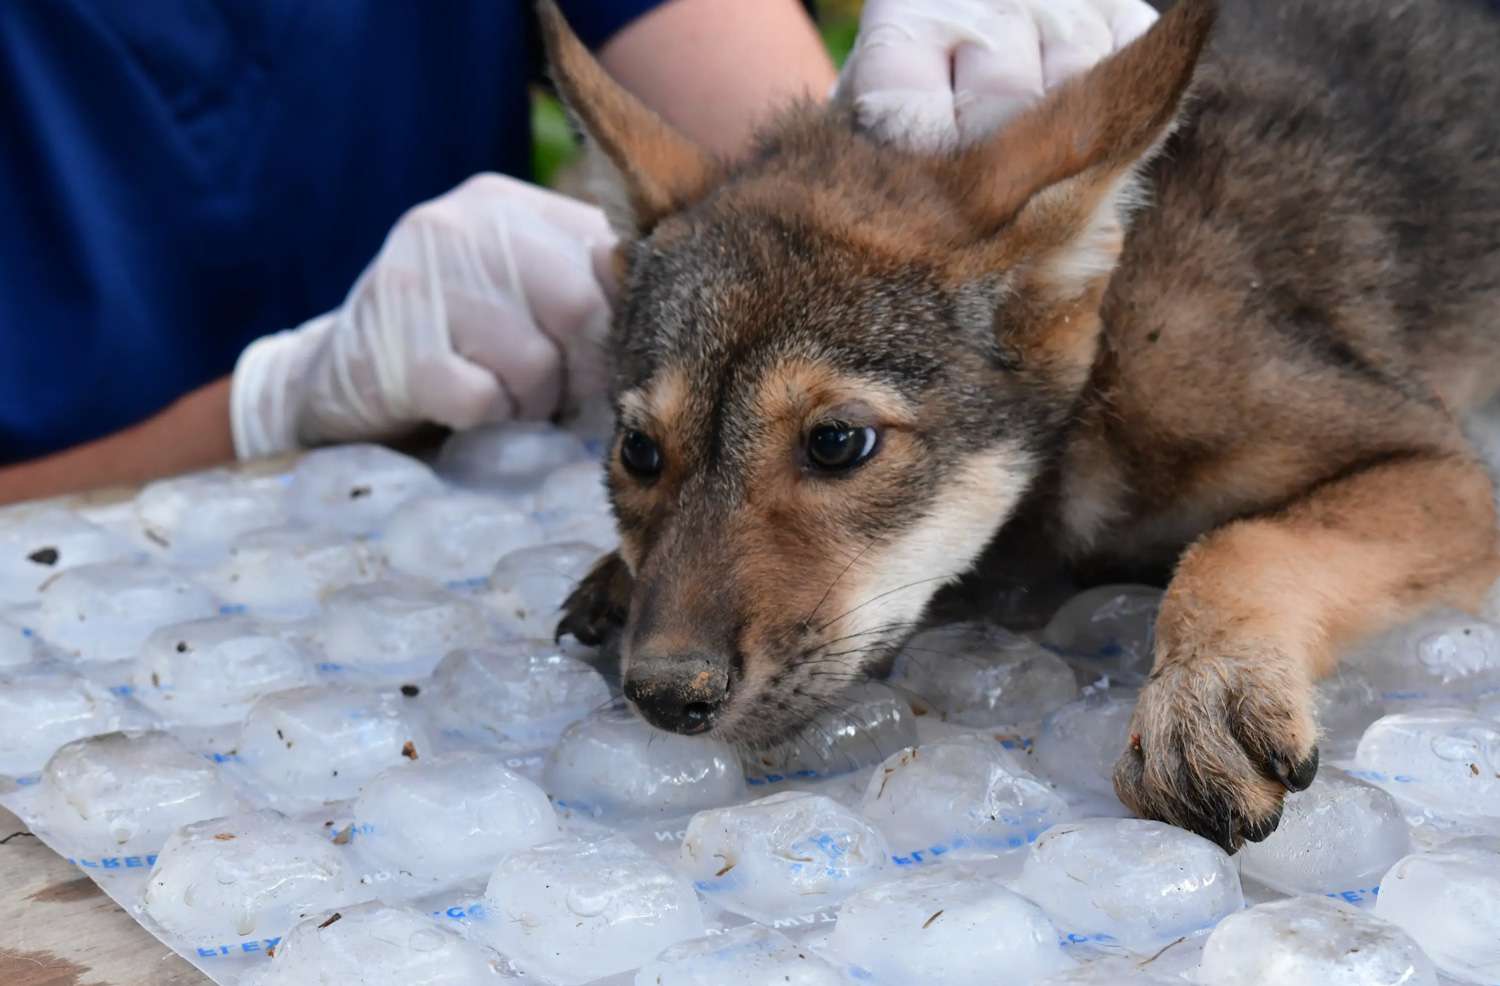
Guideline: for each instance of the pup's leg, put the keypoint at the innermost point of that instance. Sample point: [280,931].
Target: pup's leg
[595,610]
[1258,610]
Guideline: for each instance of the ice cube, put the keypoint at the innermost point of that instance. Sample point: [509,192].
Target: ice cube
[314,745]
[456,538]
[1110,629]
[400,626]
[37,544]
[1312,941]
[1347,702]
[980,675]
[1112,971]
[1443,657]
[352,488]
[41,712]
[208,672]
[527,587]
[193,518]
[527,690]
[786,854]
[1130,882]
[613,764]
[863,726]
[513,457]
[573,505]
[945,925]
[123,794]
[572,912]
[252,876]
[377,945]
[966,794]
[1442,759]
[105,612]
[749,955]
[284,573]
[18,645]
[450,819]
[1081,741]
[1448,899]
[1339,835]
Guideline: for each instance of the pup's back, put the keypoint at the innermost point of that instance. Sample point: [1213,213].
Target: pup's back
[1319,266]
[1354,147]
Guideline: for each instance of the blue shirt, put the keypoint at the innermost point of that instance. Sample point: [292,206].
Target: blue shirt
[178,177]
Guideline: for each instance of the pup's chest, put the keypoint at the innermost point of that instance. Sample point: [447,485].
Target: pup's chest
[1104,521]
[1130,497]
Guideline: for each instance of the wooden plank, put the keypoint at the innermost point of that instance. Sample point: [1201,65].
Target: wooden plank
[57,928]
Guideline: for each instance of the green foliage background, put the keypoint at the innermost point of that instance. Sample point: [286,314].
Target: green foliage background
[553,146]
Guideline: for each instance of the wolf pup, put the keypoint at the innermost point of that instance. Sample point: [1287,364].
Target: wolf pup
[1216,305]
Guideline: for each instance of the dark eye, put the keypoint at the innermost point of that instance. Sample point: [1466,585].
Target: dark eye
[640,456]
[839,447]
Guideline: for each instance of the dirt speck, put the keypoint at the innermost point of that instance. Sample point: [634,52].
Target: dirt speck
[928,923]
[44,556]
[331,919]
[359,491]
[409,750]
[345,834]
[224,837]
[410,691]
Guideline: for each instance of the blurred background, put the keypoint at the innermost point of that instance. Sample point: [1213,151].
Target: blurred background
[555,148]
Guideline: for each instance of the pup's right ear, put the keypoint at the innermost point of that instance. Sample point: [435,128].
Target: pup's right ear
[646,169]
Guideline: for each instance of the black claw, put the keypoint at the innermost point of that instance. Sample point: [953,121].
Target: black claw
[1298,777]
[1258,831]
[578,627]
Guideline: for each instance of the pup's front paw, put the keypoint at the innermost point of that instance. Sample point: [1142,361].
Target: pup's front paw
[596,609]
[1215,744]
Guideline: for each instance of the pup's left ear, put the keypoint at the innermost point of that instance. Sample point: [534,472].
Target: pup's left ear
[646,169]
[1049,194]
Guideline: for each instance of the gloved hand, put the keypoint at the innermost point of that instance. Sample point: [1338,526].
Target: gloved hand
[933,73]
[482,305]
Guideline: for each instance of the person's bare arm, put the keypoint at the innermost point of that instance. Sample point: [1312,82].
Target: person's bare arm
[192,433]
[715,68]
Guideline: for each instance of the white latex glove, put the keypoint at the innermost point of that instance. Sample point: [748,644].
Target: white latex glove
[934,73]
[482,305]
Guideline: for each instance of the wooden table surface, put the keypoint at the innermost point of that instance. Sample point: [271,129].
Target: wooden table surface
[57,928]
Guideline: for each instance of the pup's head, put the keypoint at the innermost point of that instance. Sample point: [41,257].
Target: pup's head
[838,365]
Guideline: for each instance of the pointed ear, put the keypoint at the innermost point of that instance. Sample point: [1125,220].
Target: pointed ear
[645,169]
[1053,189]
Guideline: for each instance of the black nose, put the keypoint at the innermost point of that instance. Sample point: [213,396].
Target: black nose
[679,694]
